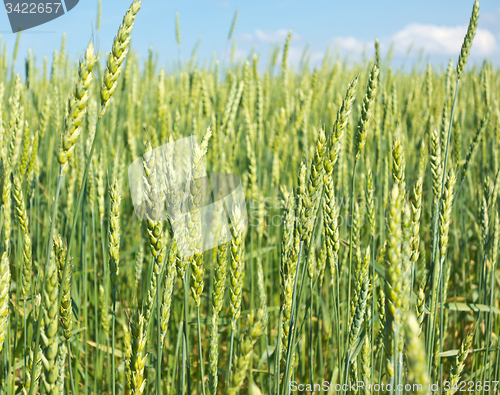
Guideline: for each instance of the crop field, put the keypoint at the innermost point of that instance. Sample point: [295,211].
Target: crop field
[362,259]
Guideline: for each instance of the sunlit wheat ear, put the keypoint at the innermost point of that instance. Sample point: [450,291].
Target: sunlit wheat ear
[101,192]
[233,24]
[311,198]
[16,121]
[139,260]
[236,265]
[484,219]
[448,81]
[220,272]
[381,309]
[104,311]
[169,282]
[127,345]
[417,370]
[429,85]
[138,357]
[3,152]
[436,350]
[117,56]
[66,310]
[444,130]
[48,335]
[4,297]
[32,164]
[416,212]
[366,111]
[459,363]
[217,302]
[285,51]
[194,220]
[421,306]
[6,205]
[406,268]
[472,147]
[359,311]
[261,288]
[496,241]
[61,364]
[370,199]
[366,353]
[99,14]
[25,152]
[243,360]
[399,164]
[177,29]
[77,107]
[377,53]
[436,168]
[331,228]
[27,382]
[154,226]
[114,232]
[287,264]
[471,32]
[22,216]
[445,214]
[392,276]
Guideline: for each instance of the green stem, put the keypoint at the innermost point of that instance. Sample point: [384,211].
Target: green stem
[186,369]
[25,335]
[372,370]
[85,296]
[276,383]
[176,359]
[200,350]
[96,303]
[106,283]
[349,223]
[231,346]
[158,339]
[71,380]
[311,356]
[335,317]
[113,340]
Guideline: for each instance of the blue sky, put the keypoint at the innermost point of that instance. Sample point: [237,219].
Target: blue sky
[436,26]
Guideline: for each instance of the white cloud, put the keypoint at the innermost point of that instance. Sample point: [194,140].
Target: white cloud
[246,37]
[434,40]
[492,17]
[240,55]
[276,36]
[351,44]
[442,40]
[295,55]
[224,4]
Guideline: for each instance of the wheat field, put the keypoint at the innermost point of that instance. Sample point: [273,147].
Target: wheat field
[370,255]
